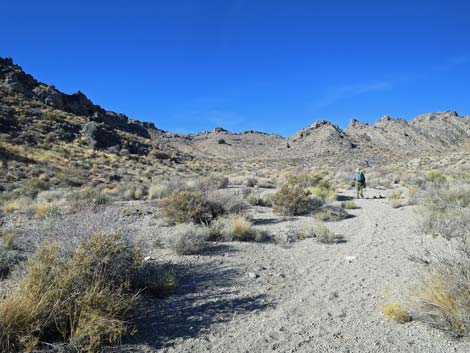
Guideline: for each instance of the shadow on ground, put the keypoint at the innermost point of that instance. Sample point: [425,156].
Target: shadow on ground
[204,297]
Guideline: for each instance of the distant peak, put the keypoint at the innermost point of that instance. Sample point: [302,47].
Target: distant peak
[354,123]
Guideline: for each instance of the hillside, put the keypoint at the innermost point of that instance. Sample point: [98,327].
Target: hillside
[69,140]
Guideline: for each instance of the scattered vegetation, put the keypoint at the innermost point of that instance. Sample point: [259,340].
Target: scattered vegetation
[443,297]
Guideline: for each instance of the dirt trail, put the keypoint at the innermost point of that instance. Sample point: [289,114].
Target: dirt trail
[305,297]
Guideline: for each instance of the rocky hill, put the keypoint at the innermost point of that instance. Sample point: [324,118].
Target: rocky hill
[57,133]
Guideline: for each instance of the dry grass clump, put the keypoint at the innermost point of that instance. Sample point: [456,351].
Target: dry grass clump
[233,228]
[81,297]
[9,206]
[396,312]
[321,233]
[349,205]
[185,206]
[188,239]
[443,299]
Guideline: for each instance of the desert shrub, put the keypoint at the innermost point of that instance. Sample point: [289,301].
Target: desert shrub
[397,203]
[8,240]
[443,297]
[446,212]
[324,193]
[321,233]
[50,196]
[35,185]
[212,182]
[291,200]
[264,199]
[158,191]
[188,239]
[436,177]
[395,195]
[233,228]
[349,205]
[251,182]
[134,192]
[9,257]
[396,312]
[331,214]
[223,202]
[82,297]
[184,206]
[152,279]
[89,195]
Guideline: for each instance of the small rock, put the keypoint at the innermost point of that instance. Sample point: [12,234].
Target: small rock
[350,258]
[252,275]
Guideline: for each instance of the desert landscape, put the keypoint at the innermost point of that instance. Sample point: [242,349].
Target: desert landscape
[117,236]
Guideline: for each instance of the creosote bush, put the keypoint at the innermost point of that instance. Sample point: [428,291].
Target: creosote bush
[82,297]
[292,200]
[184,206]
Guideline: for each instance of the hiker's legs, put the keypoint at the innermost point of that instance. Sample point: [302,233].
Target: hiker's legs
[358,189]
[361,191]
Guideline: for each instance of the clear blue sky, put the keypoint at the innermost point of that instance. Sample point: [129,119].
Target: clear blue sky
[269,65]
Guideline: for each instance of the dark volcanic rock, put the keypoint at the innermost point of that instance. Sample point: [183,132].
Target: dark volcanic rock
[97,137]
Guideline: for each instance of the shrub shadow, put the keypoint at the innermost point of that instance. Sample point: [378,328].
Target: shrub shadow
[344,198]
[204,297]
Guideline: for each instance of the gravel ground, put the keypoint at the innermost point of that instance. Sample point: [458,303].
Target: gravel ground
[298,296]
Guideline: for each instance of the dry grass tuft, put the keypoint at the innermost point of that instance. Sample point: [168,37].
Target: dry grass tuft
[82,297]
[396,312]
[233,228]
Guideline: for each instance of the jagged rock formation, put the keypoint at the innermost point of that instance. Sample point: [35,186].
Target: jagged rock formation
[34,114]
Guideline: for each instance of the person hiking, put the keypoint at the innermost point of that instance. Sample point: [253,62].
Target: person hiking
[360,180]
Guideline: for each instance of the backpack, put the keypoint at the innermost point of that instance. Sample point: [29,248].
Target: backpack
[359,176]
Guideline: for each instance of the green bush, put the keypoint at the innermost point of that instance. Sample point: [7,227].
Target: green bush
[291,200]
[185,206]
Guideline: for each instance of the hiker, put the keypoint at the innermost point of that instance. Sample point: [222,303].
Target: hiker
[360,180]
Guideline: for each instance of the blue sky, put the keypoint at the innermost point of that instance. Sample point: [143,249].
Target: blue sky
[268,65]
